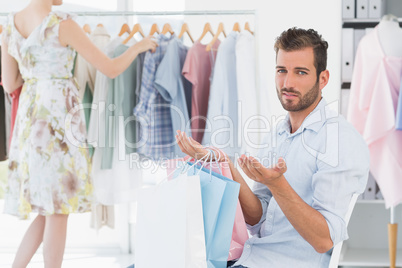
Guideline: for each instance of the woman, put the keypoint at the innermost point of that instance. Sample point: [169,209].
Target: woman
[49,165]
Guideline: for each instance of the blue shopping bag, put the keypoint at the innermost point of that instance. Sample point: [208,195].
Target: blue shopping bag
[219,201]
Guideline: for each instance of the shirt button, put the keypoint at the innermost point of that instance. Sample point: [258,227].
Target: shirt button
[270,216]
[247,246]
[287,140]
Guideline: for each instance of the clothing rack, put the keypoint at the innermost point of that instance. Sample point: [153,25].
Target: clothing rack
[161,13]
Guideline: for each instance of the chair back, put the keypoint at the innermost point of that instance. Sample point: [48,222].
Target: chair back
[336,252]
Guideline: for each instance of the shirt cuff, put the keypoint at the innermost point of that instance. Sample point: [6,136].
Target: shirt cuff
[255,229]
[337,227]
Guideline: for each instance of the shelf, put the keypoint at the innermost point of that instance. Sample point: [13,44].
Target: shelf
[368,258]
[374,201]
[362,23]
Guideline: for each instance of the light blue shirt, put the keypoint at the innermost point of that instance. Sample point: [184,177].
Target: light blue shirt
[327,162]
[221,129]
[173,86]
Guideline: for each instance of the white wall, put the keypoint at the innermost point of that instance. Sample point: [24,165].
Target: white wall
[272,18]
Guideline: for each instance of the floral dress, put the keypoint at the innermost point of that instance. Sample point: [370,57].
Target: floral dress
[49,163]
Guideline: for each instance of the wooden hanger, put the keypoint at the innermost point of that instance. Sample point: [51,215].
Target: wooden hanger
[124,29]
[87,28]
[236,27]
[207,29]
[1,29]
[216,36]
[99,25]
[247,27]
[167,29]
[154,29]
[185,29]
[136,29]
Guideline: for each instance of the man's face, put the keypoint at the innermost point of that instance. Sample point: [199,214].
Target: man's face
[296,79]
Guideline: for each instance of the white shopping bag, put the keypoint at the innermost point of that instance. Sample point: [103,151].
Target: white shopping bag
[170,228]
[195,236]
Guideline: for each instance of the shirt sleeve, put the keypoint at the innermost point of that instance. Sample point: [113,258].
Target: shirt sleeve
[264,195]
[142,109]
[342,171]
[190,67]
[167,74]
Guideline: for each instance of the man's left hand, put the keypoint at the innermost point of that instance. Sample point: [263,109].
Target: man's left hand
[257,172]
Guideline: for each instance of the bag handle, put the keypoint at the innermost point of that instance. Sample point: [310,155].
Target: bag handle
[184,169]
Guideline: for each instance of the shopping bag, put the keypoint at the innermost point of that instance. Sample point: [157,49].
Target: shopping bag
[239,234]
[219,202]
[170,231]
[195,237]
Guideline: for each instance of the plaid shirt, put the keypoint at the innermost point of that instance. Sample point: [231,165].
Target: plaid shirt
[153,112]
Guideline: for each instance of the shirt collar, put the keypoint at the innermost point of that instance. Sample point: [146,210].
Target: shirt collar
[163,37]
[314,121]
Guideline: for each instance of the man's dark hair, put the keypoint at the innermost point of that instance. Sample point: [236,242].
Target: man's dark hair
[296,39]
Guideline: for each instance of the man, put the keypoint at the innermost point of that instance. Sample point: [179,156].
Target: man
[296,209]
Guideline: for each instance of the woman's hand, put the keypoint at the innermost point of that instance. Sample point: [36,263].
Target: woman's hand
[148,43]
[192,148]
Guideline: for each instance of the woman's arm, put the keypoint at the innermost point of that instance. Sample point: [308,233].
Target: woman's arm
[71,34]
[10,73]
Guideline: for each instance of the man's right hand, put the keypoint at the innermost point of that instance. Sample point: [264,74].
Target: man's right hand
[194,149]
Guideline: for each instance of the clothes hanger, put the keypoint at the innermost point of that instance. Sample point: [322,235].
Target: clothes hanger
[87,28]
[207,29]
[236,27]
[154,29]
[99,25]
[247,27]
[185,29]
[124,29]
[1,29]
[216,36]
[167,29]
[136,29]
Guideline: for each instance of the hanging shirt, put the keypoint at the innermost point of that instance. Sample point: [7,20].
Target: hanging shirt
[8,104]
[198,69]
[399,110]
[172,85]
[153,112]
[120,183]
[3,142]
[222,106]
[15,96]
[327,162]
[247,91]
[3,116]
[372,109]
[102,215]
[140,66]
[97,128]
[84,72]
[121,100]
